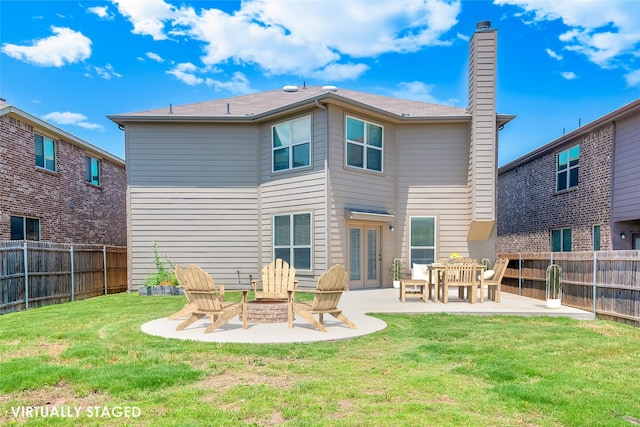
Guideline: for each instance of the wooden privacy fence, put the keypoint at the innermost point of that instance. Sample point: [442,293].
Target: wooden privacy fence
[606,283]
[35,274]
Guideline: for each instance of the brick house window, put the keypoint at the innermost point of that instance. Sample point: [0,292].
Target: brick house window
[561,240]
[24,228]
[567,163]
[292,239]
[596,237]
[364,145]
[292,144]
[45,152]
[93,171]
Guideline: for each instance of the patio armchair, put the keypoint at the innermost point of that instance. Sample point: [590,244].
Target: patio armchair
[331,284]
[200,291]
[460,273]
[278,281]
[493,282]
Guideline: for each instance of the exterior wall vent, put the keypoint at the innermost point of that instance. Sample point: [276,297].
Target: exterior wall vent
[331,88]
[290,88]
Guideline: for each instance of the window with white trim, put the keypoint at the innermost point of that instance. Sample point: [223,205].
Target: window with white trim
[45,152]
[93,170]
[561,240]
[567,165]
[422,238]
[292,239]
[291,144]
[364,145]
[25,228]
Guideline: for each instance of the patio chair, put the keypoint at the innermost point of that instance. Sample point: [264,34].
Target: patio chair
[186,278]
[331,284]
[493,282]
[198,286]
[278,281]
[460,273]
[417,284]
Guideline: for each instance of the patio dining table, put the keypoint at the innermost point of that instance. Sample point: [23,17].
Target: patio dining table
[436,277]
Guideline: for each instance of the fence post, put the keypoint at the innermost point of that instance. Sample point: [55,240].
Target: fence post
[104,264]
[25,252]
[595,281]
[72,274]
[520,274]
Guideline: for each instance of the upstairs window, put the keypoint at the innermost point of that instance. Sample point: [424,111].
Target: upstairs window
[561,240]
[364,145]
[23,228]
[596,237]
[93,171]
[292,144]
[45,152]
[567,163]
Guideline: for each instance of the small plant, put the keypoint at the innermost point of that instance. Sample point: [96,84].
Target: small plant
[455,255]
[164,274]
[396,269]
[554,285]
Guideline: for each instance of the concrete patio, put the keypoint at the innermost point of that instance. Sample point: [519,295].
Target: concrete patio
[356,305]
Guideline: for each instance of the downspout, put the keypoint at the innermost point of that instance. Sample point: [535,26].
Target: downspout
[326,186]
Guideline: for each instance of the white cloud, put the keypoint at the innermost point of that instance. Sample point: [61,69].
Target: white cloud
[604,32]
[106,72]
[569,75]
[307,38]
[554,55]
[186,73]
[69,118]
[417,91]
[102,12]
[154,56]
[338,72]
[65,47]
[633,78]
[148,17]
[239,84]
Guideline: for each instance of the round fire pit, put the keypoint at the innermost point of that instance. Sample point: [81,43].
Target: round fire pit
[267,311]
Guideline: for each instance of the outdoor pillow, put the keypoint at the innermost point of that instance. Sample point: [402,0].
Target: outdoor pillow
[488,275]
[420,272]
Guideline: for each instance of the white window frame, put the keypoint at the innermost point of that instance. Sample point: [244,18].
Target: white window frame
[45,140]
[567,169]
[291,144]
[365,146]
[292,246]
[562,230]
[90,178]
[435,237]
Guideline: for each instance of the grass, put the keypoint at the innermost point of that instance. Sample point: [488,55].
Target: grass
[444,370]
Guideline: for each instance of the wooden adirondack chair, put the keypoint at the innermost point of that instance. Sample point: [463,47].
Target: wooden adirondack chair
[460,273]
[198,286]
[278,281]
[331,284]
[185,278]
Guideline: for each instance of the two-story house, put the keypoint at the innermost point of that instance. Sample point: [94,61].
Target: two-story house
[577,193]
[57,187]
[317,176]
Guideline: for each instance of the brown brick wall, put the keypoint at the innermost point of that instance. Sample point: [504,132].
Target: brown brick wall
[70,210]
[529,207]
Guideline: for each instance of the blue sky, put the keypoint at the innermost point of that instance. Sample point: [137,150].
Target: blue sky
[560,63]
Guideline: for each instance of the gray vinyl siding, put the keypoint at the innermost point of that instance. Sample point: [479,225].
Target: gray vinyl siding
[432,181]
[193,189]
[296,191]
[626,197]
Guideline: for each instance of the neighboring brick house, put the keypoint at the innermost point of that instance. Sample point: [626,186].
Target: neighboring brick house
[56,187]
[577,193]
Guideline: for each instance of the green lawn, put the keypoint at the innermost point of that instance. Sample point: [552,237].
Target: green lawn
[444,370]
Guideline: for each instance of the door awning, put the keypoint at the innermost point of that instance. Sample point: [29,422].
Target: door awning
[368,215]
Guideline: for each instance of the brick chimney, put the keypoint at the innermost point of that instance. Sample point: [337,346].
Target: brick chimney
[483,144]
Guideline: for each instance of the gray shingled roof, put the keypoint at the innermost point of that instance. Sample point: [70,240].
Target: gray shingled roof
[265,103]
